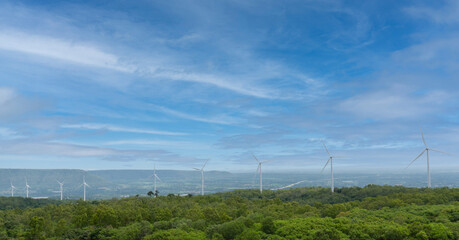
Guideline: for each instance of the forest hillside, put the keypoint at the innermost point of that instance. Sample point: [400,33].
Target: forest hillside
[371,212]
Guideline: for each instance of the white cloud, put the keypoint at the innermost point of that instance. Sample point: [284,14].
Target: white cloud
[92,126]
[226,120]
[383,105]
[449,13]
[6,133]
[60,49]
[218,81]
[84,54]
[53,149]
[12,104]
[174,144]
[56,149]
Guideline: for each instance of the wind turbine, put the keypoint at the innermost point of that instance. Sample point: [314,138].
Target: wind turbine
[330,160]
[426,150]
[27,188]
[259,169]
[61,188]
[202,176]
[12,188]
[155,177]
[84,184]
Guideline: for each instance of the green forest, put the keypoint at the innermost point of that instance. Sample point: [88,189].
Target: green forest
[371,212]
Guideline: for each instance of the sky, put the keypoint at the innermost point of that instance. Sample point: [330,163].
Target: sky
[133,84]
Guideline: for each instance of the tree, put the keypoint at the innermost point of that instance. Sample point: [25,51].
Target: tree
[267,225]
[36,227]
[150,193]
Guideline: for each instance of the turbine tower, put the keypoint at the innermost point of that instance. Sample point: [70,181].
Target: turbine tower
[426,150]
[12,188]
[27,188]
[61,189]
[259,170]
[84,188]
[202,176]
[330,160]
[155,177]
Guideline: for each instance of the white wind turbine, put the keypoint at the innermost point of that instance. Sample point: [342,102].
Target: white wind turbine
[259,170]
[426,150]
[27,188]
[330,160]
[61,189]
[202,176]
[12,188]
[84,184]
[155,177]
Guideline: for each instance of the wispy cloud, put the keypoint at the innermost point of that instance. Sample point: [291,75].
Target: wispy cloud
[390,104]
[162,143]
[448,13]
[219,81]
[60,49]
[13,104]
[6,133]
[223,119]
[43,149]
[108,127]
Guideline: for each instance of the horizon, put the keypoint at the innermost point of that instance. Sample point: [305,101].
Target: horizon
[108,184]
[418,171]
[126,85]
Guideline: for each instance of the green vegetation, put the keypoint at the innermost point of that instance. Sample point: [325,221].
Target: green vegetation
[372,212]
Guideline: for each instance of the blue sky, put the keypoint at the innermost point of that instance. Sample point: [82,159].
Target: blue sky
[123,84]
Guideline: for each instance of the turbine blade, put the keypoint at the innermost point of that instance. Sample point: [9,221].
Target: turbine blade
[435,150]
[267,161]
[256,158]
[425,144]
[197,169]
[415,159]
[204,164]
[156,176]
[325,165]
[326,149]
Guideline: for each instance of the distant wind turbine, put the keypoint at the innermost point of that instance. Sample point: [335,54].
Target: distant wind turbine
[259,170]
[330,160]
[27,188]
[155,177]
[426,150]
[61,188]
[84,184]
[202,176]
[12,188]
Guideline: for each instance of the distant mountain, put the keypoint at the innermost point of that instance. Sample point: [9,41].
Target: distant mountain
[43,182]
[106,184]
[103,183]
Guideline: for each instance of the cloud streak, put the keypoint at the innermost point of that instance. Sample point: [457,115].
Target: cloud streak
[60,49]
[13,104]
[108,127]
[385,105]
[44,149]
